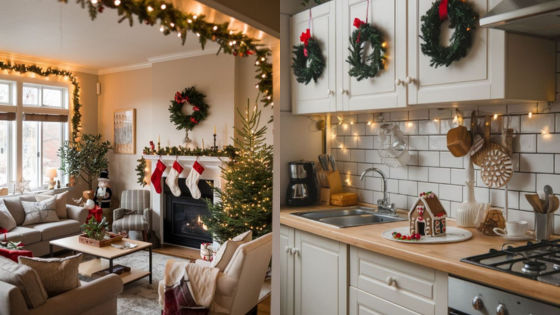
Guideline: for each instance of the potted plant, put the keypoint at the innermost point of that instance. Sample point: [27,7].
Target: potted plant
[94,230]
[85,159]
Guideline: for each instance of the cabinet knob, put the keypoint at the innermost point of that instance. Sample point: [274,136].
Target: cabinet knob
[408,80]
[501,310]
[295,251]
[343,91]
[288,249]
[477,303]
[398,82]
[330,92]
[390,281]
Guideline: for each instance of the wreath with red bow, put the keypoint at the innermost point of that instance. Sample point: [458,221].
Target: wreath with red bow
[191,97]
[462,18]
[308,61]
[360,68]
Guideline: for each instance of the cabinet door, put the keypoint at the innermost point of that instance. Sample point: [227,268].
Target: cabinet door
[316,97]
[287,241]
[470,78]
[361,303]
[321,280]
[389,16]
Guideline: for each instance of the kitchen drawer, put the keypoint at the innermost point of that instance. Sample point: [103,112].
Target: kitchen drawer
[412,286]
[362,303]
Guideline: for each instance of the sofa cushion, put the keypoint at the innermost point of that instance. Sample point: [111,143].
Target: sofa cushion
[26,280]
[226,251]
[59,204]
[7,221]
[58,275]
[26,235]
[16,209]
[54,230]
[39,211]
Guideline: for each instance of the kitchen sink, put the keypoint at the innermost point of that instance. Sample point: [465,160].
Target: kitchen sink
[343,218]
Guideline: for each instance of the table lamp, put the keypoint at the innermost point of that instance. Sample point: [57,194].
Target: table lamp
[51,174]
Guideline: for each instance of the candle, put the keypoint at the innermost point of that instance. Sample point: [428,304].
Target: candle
[214,129]
[158,138]
[202,143]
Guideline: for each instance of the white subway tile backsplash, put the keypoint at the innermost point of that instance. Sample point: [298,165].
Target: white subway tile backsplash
[557,163]
[523,181]
[451,192]
[344,130]
[409,188]
[438,143]
[537,123]
[365,142]
[525,143]
[548,179]
[343,155]
[426,158]
[419,114]
[350,142]
[437,113]
[377,195]
[400,201]
[358,156]
[384,168]
[397,116]
[373,183]
[371,129]
[446,125]
[497,198]
[362,167]
[358,129]
[481,194]
[548,143]
[366,196]
[365,118]
[409,127]
[425,187]
[392,185]
[399,173]
[536,163]
[458,176]
[439,175]
[428,127]
[418,142]
[372,156]
[519,215]
[522,108]
[417,173]
[446,159]
[350,168]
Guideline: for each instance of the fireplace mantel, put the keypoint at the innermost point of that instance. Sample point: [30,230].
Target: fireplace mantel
[212,172]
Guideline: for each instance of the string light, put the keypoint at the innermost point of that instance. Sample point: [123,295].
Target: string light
[197,34]
[150,9]
[172,24]
[163,6]
[93,1]
[161,29]
[117,2]
[195,17]
[495,116]
[215,28]
[530,114]
[189,21]
[178,34]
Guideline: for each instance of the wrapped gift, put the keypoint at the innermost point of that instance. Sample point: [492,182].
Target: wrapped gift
[14,254]
[206,251]
[96,212]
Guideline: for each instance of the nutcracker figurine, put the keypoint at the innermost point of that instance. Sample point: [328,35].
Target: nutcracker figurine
[103,195]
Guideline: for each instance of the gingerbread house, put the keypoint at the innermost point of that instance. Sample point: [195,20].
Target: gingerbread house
[427,216]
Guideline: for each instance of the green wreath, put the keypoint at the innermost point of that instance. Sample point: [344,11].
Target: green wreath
[310,66]
[200,110]
[462,18]
[366,33]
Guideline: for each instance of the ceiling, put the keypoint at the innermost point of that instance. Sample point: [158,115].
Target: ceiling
[64,33]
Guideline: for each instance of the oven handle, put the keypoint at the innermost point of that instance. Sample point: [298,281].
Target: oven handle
[456,312]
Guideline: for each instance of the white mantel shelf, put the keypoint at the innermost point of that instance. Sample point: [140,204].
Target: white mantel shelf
[204,160]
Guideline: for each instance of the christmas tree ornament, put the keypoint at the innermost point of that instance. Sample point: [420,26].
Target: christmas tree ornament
[192,179]
[364,33]
[173,177]
[21,186]
[156,176]
[191,97]
[462,18]
[308,62]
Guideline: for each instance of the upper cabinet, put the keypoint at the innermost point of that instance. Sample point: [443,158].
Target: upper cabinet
[499,67]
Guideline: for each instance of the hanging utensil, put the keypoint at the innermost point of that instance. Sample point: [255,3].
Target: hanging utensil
[496,164]
[535,202]
[547,193]
[459,141]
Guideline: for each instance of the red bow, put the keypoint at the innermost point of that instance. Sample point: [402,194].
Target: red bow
[179,98]
[195,108]
[358,23]
[305,36]
[194,120]
[443,10]
[96,212]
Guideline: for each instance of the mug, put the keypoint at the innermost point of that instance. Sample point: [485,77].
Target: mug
[513,228]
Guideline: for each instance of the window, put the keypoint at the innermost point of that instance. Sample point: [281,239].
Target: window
[29,152]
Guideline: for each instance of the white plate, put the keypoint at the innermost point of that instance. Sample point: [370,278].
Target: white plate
[518,238]
[453,235]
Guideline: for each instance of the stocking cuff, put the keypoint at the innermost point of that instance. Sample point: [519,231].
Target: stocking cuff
[160,166]
[198,167]
[178,167]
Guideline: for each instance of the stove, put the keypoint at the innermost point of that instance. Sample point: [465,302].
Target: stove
[539,261]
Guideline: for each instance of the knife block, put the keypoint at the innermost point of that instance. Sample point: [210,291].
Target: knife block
[335,186]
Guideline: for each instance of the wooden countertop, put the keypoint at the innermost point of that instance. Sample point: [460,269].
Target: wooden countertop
[444,257]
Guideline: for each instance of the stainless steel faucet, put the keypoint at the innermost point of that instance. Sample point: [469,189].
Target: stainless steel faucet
[382,204]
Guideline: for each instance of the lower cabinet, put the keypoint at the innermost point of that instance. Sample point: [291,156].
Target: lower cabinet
[313,274]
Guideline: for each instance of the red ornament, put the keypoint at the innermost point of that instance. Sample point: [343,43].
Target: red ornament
[250,52]
[195,108]
[179,98]
[443,10]
[100,8]
[194,120]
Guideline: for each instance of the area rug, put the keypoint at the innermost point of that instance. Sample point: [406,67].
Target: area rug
[140,297]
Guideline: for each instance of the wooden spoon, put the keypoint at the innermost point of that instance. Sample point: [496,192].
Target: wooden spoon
[554,204]
[535,202]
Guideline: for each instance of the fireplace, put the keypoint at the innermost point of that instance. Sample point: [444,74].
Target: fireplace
[182,223]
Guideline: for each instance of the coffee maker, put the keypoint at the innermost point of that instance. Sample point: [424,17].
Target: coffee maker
[302,190]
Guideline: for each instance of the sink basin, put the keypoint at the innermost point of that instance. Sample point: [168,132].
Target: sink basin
[343,218]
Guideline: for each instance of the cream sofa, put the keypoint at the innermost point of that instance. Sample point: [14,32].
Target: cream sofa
[36,237]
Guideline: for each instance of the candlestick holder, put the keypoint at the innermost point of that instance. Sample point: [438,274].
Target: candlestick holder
[214,147]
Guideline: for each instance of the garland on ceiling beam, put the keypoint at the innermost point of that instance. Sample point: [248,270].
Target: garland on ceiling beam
[76,116]
[172,20]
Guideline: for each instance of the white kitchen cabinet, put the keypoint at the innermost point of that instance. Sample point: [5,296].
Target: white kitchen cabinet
[380,91]
[362,303]
[498,67]
[314,274]
[320,96]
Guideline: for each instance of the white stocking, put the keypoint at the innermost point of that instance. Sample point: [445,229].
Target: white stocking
[173,177]
[192,180]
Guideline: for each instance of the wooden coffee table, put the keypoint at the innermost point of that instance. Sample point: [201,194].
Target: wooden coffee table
[105,256]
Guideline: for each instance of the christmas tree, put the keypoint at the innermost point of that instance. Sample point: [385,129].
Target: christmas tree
[246,200]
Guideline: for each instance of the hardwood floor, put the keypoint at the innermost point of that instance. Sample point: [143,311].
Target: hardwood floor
[193,254]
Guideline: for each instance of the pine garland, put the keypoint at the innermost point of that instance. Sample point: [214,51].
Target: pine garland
[360,69]
[462,18]
[141,171]
[172,20]
[246,201]
[310,66]
[228,151]
[76,116]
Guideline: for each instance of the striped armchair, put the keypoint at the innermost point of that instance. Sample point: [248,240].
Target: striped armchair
[135,213]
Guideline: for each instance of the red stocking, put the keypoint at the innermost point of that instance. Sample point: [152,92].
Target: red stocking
[156,176]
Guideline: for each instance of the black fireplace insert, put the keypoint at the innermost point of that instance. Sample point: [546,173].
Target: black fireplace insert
[182,223]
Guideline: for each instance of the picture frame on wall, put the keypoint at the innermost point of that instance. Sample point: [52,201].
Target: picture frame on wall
[124,126]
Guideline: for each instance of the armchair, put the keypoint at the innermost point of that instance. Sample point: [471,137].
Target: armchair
[135,213]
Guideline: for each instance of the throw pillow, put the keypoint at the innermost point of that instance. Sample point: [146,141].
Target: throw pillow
[25,279]
[59,204]
[39,212]
[58,275]
[7,221]
[226,251]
